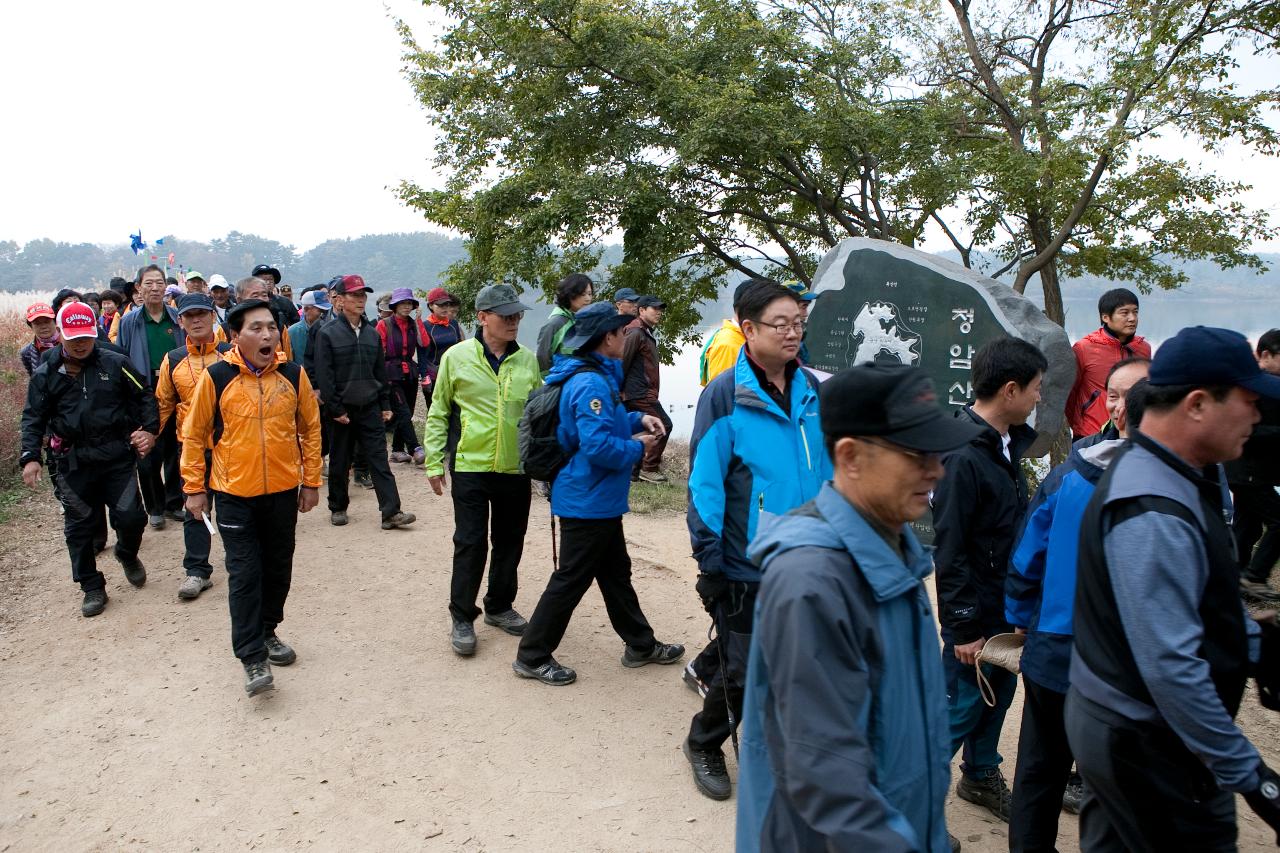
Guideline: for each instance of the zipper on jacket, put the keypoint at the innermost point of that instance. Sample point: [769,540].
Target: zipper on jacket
[262,433]
[804,439]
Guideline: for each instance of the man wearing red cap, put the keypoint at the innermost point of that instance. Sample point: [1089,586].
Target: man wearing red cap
[101,417]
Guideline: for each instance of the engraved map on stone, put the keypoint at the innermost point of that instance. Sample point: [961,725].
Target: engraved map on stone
[879,336]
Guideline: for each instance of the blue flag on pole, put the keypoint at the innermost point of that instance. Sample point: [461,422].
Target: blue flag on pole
[136,242]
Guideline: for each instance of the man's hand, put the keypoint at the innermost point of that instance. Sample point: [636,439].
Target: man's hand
[31,473]
[198,504]
[343,419]
[711,588]
[968,653]
[437,483]
[654,425]
[386,416]
[308,497]
[142,442]
[1265,799]
[648,439]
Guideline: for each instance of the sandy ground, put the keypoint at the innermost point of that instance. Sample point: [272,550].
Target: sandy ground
[132,729]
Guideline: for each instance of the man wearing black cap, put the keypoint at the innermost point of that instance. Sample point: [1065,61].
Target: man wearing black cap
[180,371]
[286,312]
[589,495]
[641,381]
[1163,644]
[844,735]
[352,379]
[626,301]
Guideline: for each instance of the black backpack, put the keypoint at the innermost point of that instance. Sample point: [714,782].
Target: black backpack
[541,455]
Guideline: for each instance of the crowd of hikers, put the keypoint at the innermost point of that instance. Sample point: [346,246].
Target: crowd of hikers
[1118,588]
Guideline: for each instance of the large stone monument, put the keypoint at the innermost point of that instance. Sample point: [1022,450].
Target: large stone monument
[883,302]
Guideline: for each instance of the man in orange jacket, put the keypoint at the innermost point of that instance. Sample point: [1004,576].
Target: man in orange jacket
[180,371]
[263,422]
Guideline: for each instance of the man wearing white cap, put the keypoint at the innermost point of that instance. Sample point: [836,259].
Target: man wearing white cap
[315,305]
[100,417]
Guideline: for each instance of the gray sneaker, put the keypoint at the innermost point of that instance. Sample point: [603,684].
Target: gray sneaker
[192,586]
[339,518]
[400,519]
[257,678]
[463,637]
[399,456]
[552,672]
[279,652]
[653,476]
[510,621]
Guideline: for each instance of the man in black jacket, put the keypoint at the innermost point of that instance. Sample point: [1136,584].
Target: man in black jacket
[100,416]
[284,309]
[1253,478]
[352,379]
[977,512]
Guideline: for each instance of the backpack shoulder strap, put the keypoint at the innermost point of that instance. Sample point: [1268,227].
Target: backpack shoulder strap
[293,372]
[221,372]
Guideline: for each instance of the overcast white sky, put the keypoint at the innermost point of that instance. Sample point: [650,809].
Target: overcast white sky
[282,118]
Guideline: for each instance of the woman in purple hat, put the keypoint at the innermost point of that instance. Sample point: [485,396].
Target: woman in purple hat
[402,336]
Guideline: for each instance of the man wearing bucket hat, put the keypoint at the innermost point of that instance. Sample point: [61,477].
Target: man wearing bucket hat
[101,416]
[589,495]
[482,386]
[402,337]
[844,734]
[1164,645]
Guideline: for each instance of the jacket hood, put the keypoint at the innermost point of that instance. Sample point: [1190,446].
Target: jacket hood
[563,366]
[1092,461]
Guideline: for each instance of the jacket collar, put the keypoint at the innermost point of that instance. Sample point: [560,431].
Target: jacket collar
[747,391]
[202,349]
[1021,437]
[233,356]
[886,573]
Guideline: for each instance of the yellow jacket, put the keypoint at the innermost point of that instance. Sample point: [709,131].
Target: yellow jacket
[270,440]
[721,351]
[180,370]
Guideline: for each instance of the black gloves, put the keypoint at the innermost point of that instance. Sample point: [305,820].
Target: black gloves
[1265,799]
[1267,673]
[712,588]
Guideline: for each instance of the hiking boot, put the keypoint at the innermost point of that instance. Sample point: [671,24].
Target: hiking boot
[175,515]
[399,456]
[693,682]
[364,480]
[510,621]
[95,601]
[133,568]
[339,518]
[419,456]
[463,638]
[988,790]
[1073,796]
[279,652]
[257,678]
[156,522]
[400,519]
[1258,589]
[551,672]
[709,773]
[192,586]
[653,476]
[663,653]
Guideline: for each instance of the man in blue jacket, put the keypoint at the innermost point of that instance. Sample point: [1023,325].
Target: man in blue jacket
[756,449]
[845,741]
[1039,598]
[590,496]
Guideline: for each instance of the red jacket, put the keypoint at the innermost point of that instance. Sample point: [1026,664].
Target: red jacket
[1095,353]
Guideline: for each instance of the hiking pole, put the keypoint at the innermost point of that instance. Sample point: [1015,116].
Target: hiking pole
[724,683]
[555,559]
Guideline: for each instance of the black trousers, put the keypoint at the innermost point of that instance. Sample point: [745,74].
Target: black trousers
[477,496]
[258,536]
[1144,790]
[1044,765]
[365,430]
[85,493]
[653,456]
[195,536]
[1256,506]
[100,522]
[159,475]
[404,399]
[734,618]
[590,549]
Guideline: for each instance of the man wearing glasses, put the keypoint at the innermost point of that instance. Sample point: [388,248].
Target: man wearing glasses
[756,449]
[481,388]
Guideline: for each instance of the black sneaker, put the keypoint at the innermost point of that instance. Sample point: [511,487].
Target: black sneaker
[551,672]
[156,522]
[663,653]
[709,773]
[510,621]
[693,682]
[134,571]
[988,790]
[175,515]
[95,601]
[279,652]
[463,637]
[257,678]
[1073,796]
[364,480]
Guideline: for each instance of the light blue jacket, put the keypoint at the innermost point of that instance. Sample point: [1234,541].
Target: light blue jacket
[845,742]
[749,457]
[132,338]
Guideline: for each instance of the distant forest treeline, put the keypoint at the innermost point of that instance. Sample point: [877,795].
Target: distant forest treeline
[417,261]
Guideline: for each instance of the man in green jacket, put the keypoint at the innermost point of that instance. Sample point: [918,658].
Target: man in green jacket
[481,391]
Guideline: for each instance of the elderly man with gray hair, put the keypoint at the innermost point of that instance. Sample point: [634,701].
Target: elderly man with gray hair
[845,741]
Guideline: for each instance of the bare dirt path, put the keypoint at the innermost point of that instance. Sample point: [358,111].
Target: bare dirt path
[132,730]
